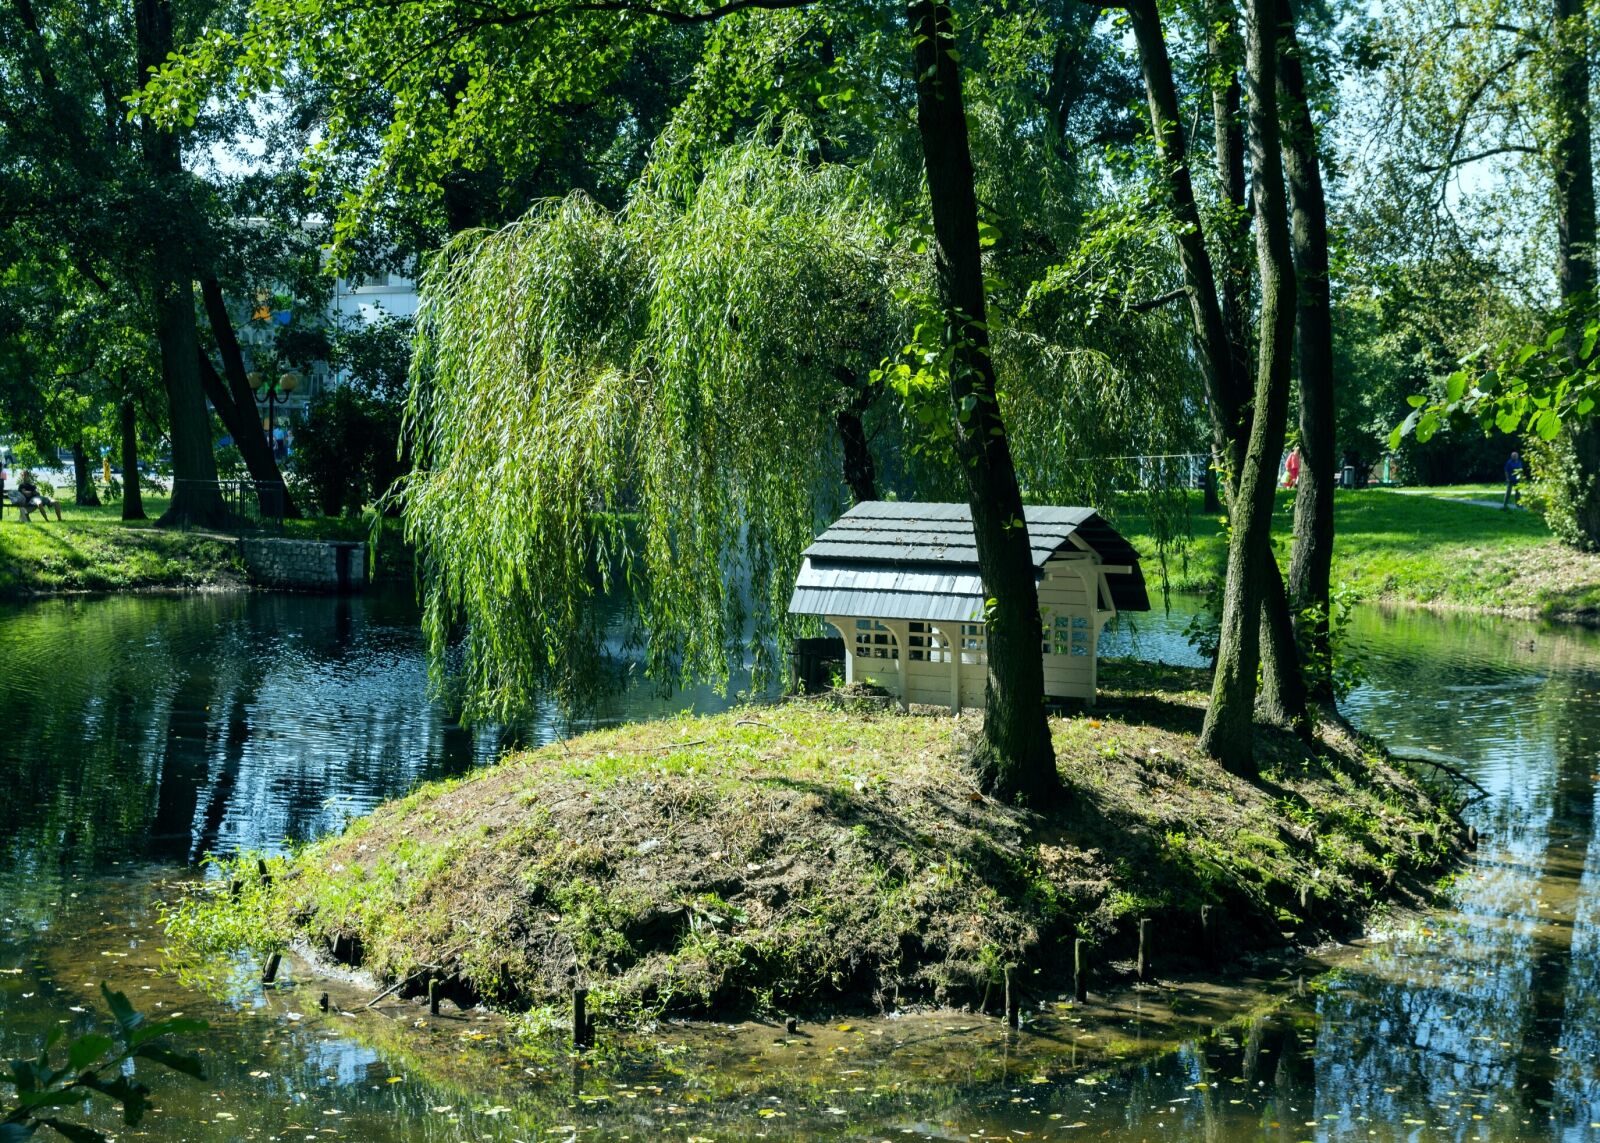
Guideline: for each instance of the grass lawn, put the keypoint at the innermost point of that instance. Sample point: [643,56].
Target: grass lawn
[93,549]
[1428,548]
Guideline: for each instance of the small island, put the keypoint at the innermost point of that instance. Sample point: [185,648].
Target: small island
[834,855]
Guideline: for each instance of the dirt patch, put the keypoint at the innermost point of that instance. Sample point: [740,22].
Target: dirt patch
[805,858]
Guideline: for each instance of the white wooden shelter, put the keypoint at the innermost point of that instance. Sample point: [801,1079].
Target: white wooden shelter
[900,582]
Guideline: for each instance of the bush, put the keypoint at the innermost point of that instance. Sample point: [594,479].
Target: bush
[346,451]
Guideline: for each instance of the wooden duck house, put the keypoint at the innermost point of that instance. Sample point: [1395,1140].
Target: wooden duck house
[900,582]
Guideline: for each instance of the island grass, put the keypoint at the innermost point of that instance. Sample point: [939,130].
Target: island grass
[1430,549]
[805,857]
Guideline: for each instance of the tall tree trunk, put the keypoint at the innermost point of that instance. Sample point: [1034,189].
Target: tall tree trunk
[1575,239]
[1199,279]
[1019,760]
[1219,348]
[83,478]
[1311,561]
[230,395]
[132,494]
[1225,53]
[196,499]
[1228,734]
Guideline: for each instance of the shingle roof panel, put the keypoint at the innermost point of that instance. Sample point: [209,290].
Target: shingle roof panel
[885,537]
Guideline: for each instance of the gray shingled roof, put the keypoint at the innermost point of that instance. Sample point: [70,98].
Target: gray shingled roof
[905,560]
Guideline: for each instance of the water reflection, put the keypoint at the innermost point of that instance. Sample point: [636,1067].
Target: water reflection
[150,731]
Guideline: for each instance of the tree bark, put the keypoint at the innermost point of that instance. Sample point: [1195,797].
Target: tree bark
[1223,49]
[196,499]
[84,492]
[1311,560]
[1219,349]
[1199,278]
[1019,759]
[860,473]
[230,395]
[1228,733]
[132,494]
[1575,238]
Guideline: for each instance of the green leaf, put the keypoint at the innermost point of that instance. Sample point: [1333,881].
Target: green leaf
[184,1062]
[133,1095]
[1455,386]
[75,1132]
[86,1049]
[173,1027]
[1416,400]
[1547,425]
[127,1019]
[1427,425]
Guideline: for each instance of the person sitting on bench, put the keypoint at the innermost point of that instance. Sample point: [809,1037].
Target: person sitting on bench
[32,499]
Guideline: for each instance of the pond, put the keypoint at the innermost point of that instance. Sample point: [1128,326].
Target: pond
[145,731]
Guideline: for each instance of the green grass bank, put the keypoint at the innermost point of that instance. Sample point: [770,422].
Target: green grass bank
[94,549]
[805,858]
[1421,546]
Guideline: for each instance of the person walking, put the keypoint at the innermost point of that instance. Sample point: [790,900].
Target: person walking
[1291,468]
[1513,473]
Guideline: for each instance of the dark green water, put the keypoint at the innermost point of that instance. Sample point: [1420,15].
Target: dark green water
[141,733]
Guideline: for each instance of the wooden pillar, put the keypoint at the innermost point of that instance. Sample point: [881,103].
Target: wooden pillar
[901,633]
[952,649]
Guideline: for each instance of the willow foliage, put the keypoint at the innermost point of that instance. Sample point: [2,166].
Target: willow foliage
[645,396]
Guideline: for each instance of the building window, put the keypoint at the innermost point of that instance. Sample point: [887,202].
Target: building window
[874,641]
[1067,635]
[925,645]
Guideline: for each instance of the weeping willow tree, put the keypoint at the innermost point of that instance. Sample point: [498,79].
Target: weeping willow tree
[649,400]
[646,396]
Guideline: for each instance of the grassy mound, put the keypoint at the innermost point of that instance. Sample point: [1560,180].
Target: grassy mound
[805,858]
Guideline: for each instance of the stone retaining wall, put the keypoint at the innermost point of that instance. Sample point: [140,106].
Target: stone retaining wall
[306,565]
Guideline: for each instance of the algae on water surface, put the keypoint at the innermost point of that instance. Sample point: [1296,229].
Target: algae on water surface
[805,858]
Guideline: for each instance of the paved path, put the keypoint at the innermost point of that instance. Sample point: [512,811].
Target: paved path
[1451,499]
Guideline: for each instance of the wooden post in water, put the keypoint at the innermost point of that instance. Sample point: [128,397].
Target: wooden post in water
[1145,950]
[433,996]
[1080,970]
[580,1018]
[270,973]
[1013,1005]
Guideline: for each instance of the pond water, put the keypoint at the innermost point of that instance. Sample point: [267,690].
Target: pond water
[144,732]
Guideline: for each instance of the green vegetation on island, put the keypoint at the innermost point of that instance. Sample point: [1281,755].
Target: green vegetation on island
[805,857]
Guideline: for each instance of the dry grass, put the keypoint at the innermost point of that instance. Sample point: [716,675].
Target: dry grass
[808,857]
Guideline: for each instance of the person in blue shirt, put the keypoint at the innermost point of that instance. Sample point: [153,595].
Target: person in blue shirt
[1513,473]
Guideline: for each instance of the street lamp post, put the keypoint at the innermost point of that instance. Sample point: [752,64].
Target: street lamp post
[270,394]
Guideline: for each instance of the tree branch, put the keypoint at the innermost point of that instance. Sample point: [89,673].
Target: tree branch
[1158,301]
[1508,149]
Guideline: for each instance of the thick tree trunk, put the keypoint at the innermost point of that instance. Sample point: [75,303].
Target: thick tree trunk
[84,491]
[230,395]
[1311,561]
[1228,734]
[132,494]
[196,499]
[1575,239]
[1219,347]
[1020,759]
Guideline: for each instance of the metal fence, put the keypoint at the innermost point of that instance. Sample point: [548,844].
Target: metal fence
[251,505]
